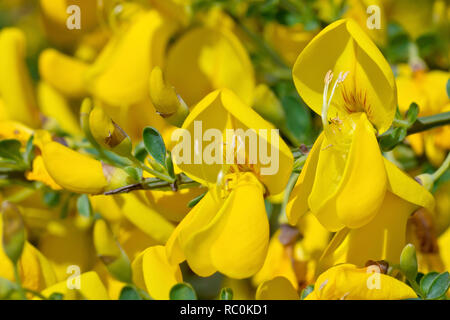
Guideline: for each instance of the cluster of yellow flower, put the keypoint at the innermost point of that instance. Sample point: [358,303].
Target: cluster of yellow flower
[146,145]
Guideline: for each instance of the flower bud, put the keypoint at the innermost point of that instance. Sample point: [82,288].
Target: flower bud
[408,262]
[108,134]
[426,180]
[110,252]
[166,101]
[13,232]
[79,173]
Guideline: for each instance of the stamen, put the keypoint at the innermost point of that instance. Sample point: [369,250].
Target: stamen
[327,101]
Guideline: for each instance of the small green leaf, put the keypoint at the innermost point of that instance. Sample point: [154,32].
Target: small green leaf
[412,113]
[182,291]
[10,149]
[155,146]
[140,152]
[28,155]
[196,200]
[226,294]
[427,281]
[135,173]
[129,293]
[306,291]
[84,206]
[56,296]
[439,286]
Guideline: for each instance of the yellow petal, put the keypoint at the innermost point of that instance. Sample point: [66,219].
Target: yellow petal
[144,216]
[212,59]
[158,274]
[278,288]
[91,288]
[278,263]
[381,239]
[346,282]
[54,105]
[298,200]
[64,73]
[40,173]
[238,232]
[343,46]
[349,192]
[198,217]
[407,188]
[15,84]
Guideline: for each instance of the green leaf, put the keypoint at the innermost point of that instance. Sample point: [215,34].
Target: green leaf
[182,291]
[10,149]
[427,281]
[140,152]
[29,149]
[56,296]
[226,294]
[196,200]
[84,206]
[412,113]
[135,173]
[306,291]
[129,293]
[155,146]
[439,286]
[169,165]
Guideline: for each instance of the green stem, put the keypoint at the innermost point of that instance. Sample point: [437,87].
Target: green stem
[426,123]
[444,167]
[18,282]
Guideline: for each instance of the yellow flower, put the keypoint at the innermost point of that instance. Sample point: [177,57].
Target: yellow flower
[79,173]
[229,224]
[346,157]
[212,59]
[153,271]
[428,90]
[179,10]
[347,282]
[16,88]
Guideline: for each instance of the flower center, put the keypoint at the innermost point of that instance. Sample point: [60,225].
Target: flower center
[338,128]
